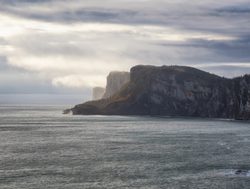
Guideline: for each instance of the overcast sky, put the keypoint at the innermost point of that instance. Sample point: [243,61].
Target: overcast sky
[69,46]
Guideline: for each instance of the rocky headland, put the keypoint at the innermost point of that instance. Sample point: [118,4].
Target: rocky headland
[174,91]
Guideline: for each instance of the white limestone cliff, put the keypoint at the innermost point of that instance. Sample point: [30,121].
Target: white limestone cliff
[115,81]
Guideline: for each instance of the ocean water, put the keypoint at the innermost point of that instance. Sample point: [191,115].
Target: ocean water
[41,148]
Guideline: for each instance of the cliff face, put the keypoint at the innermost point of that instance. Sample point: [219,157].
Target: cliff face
[175,91]
[97,93]
[115,81]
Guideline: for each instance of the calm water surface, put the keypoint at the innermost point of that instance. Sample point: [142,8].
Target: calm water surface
[41,148]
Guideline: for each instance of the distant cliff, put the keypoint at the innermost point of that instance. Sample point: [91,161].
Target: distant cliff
[175,91]
[98,93]
[115,81]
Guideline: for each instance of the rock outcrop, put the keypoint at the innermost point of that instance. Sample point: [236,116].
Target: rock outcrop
[115,81]
[175,91]
[97,93]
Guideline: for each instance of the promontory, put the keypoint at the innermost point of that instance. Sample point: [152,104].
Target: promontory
[175,91]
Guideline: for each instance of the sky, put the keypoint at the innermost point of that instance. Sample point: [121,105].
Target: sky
[69,46]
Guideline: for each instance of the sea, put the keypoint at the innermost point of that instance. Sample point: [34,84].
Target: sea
[40,148]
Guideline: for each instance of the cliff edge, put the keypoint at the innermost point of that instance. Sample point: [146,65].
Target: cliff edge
[175,91]
[115,81]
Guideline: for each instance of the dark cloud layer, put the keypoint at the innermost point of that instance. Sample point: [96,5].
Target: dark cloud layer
[18,2]
[236,50]
[234,10]
[212,35]
[230,19]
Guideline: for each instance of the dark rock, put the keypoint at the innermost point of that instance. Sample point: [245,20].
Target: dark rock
[67,111]
[241,172]
[175,91]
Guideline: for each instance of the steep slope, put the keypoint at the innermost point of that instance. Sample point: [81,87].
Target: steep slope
[115,81]
[175,91]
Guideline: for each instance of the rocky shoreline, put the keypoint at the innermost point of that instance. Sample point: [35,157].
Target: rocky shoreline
[175,91]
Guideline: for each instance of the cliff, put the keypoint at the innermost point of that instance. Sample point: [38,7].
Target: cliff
[98,93]
[115,81]
[175,91]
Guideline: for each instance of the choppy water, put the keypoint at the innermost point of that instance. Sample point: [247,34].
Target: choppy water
[41,148]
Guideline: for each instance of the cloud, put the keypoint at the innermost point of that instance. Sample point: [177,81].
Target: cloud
[234,10]
[79,81]
[226,69]
[72,45]
[231,50]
